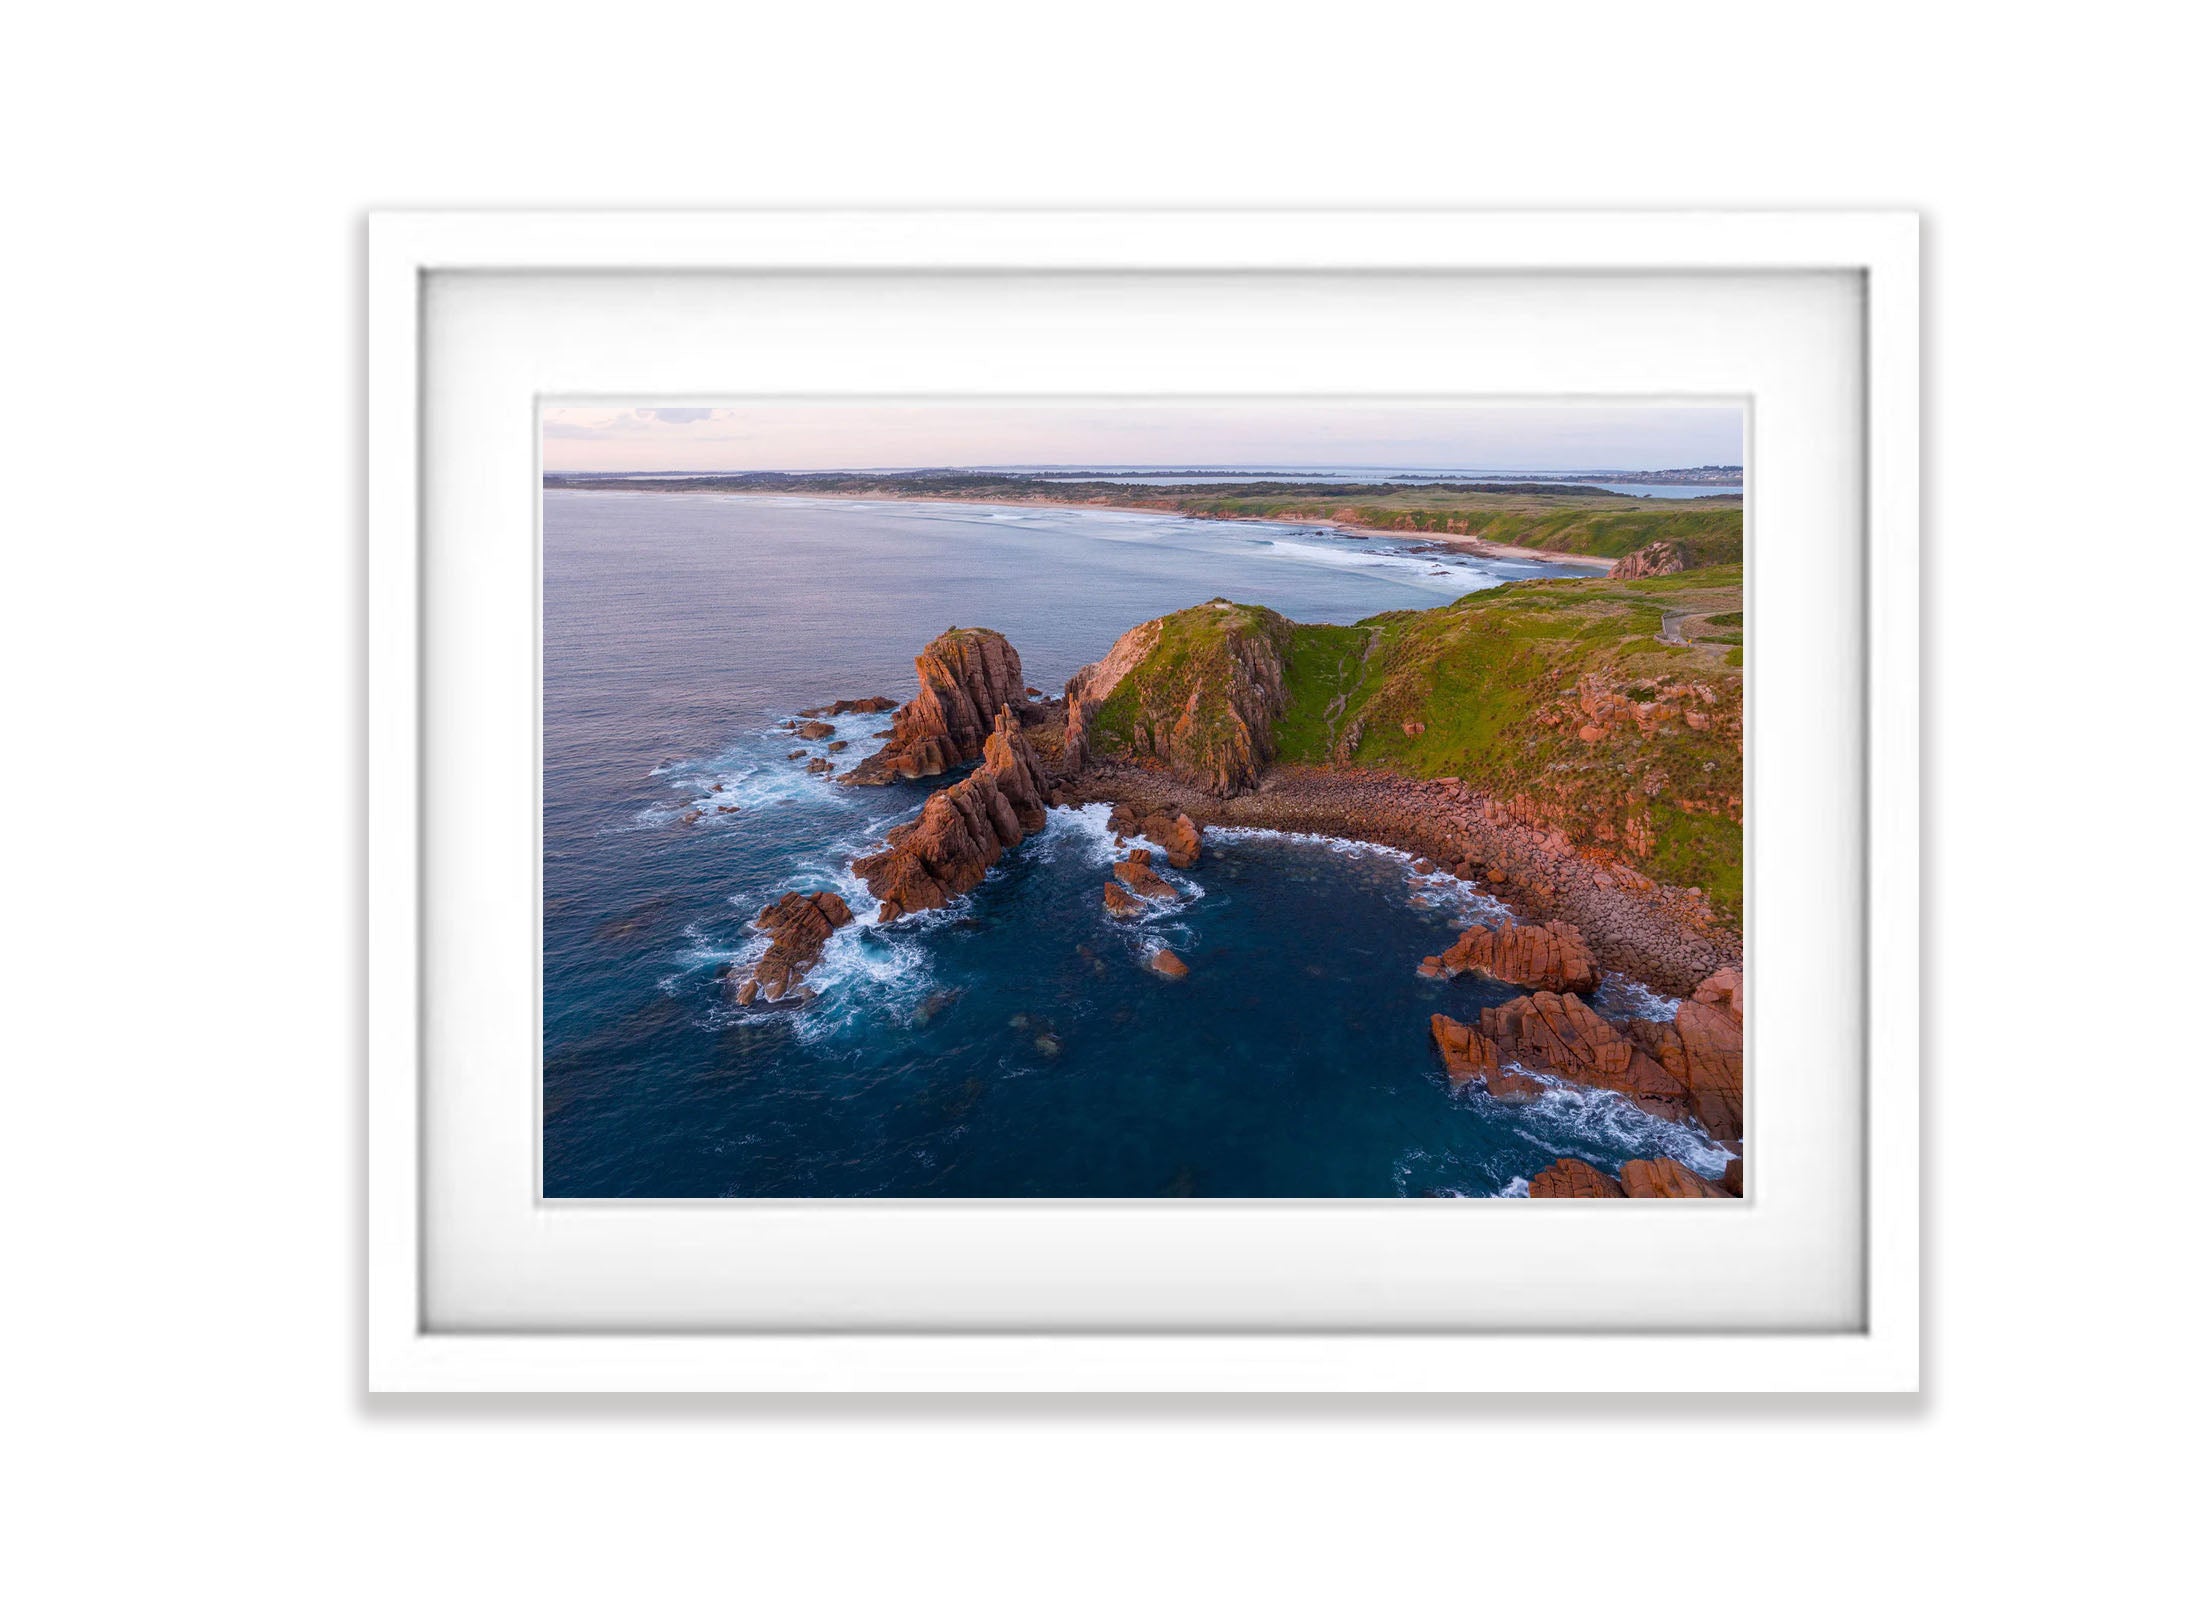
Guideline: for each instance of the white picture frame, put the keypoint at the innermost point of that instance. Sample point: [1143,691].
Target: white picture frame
[405,1352]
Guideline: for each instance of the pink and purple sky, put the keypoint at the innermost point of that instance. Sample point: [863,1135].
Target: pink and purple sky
[799,436]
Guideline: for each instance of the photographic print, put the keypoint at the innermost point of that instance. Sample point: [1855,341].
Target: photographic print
[1163,800]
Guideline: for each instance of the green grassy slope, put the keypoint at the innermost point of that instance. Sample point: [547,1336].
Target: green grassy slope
[1557,695]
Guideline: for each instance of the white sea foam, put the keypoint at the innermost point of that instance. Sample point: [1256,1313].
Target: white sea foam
[1621,996]
[1570,1121]
[1517,1189]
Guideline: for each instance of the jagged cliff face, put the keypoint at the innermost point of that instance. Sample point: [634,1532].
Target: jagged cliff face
[1198,692]
[964,829]
[1652,561]
[964,677]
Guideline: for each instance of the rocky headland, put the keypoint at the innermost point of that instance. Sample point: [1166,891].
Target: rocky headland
[1565,746]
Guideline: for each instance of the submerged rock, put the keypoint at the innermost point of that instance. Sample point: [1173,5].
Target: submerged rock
[863,707]
[1167,963]
[963,830]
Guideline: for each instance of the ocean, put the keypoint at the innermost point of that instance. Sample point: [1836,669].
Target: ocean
[1013,1044]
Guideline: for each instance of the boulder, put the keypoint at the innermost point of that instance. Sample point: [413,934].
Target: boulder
[1664,1179]
[814,729]
[1568,1179]
[966,678]
[1731,1180]
[1177,834]
[1702,1049]
[1168,964]
[1553,956]
[1119,900]
[964,829]
[799,925]
[1559,1036]
[1138,876]
[818,765]
[1722,991]
[863,707]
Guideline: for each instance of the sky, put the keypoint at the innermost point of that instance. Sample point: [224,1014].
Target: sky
[801,436]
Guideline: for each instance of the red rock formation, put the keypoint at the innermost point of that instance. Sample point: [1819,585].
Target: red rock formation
[1651,561]
[1138,876]
[964,829]
[1167,963]
[1569,1179]
[1731,1179]
[1553,956]
[1119,900]
[966,676]
[1558,1036]
[1466,1053]
[1176,833]
[1702,1048]
[799,925]
[1664,1179]
[1722,991]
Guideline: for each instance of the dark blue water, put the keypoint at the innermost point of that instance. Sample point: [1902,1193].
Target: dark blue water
[1013,1044]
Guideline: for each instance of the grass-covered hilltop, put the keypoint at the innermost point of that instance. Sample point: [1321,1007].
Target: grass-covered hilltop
[1608,709]
[1559,519]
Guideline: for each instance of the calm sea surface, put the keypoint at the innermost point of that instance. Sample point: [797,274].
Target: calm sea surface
[1013,1044]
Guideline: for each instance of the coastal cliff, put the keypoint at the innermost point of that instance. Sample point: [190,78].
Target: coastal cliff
[1197,692]
[1602,717]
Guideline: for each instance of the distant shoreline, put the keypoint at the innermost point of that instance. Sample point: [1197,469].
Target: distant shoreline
[1465,542]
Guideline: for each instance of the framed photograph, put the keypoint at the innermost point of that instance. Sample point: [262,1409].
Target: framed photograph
[1143,801]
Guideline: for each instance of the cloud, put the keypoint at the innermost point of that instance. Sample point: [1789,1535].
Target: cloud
[679,413]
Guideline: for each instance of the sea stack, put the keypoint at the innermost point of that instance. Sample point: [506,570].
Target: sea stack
[964,829]
[966,677]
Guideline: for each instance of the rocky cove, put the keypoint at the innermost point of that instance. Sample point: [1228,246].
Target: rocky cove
[973,705]
[1093,938]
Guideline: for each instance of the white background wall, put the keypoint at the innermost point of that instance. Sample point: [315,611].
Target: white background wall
[182,657]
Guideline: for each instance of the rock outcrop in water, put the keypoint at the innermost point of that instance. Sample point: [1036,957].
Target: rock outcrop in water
[842,708]
[1137,875]
[1553,956]
[1177,834]
[1702,1049]
[964,829]
[1557,1036]
[966,677]
[799,925]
